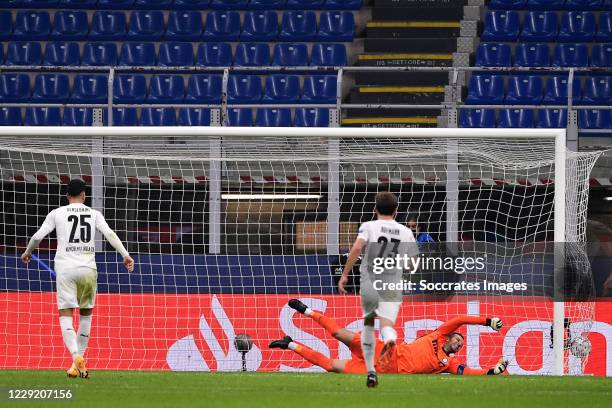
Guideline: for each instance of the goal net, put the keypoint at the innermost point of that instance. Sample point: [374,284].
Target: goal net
[227,224]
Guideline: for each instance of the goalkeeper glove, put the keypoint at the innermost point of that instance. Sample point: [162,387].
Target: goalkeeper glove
[495,323]
[499,368]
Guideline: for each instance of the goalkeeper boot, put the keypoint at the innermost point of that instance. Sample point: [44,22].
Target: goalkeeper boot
[297,305]
[282,343]
[372,380]
[72,372]
[79,362]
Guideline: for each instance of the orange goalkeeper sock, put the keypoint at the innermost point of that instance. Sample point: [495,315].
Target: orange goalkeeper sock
[326,322]
[314,357]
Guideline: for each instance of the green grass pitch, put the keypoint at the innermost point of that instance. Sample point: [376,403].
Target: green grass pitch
[292,390]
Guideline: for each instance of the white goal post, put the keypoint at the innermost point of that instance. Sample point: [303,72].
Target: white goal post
[276,195]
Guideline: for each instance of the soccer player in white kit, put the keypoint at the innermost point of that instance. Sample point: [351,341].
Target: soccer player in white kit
[382,238]
[75,266]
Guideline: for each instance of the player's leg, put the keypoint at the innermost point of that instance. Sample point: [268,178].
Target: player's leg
[343,335]
[86,294]
[70,339]
[66,303]
[308,354]
[368,345]
[387,314]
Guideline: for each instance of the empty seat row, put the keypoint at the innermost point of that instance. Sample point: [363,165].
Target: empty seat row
[41,116]
[183,25]
[550,4]
[526,118]
[542,26]
[530,90]
[170,89]
[173,54]
[538,55]
[189,4]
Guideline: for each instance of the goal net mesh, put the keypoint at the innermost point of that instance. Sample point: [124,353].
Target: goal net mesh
[225,230]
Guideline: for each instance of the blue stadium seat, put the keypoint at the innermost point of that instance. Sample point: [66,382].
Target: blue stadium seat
[190,4]
[298,26]
[175,54]
[146,25]
[24,53]
[516,118]
[556,91]
[166,89]
[545,4]
[597,91]
[214,55]
[78,117]
[129,89]
[291,55]
[70,25]
[222,26]
[540,26]
[267,4]
[552,118]
[10,116]
[42,116]
[304,4]
[506,4]
[342,4]
[252,55]
[31,25]
[583,4]
[115,4]
[524,90]
[571,55]
[320,89]
[607,5]
[273,117]
[90,89]
[194,117]
[32,3]
[329,55]
[108,25]
[594,119]
[229,4]
[51,88]
[244,89]
[14,88]
[78,4]
[501,26]
[240,117]
[485,89]
[204,88]
[1,53]
[152,4]
[137,54]
[336,26]
[577,26]
[6,25]
[125,117]
[184,25]
[601,55]
[260,26]
[311,117]
[62,54]
[282,89]
[157,117]
[604,28]
[477,118]
[493,55]
[532,55]
[100,54]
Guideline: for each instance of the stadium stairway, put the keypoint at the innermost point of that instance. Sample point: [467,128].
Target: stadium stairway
[411,33]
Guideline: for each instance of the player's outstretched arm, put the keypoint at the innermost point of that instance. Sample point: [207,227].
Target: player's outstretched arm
[453,324]
[45,229]
[460,369]
[353,256]
[114,240]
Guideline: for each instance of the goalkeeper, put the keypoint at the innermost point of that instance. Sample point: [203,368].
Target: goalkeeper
[429,354]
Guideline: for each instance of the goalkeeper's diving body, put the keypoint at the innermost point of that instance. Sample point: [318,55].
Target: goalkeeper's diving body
[428,354]
[75,267]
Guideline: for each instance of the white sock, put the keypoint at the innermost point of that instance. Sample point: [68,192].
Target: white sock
[308,311]
[292,345]
[83,333]
[69,335]
[367,346]
[388,334]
